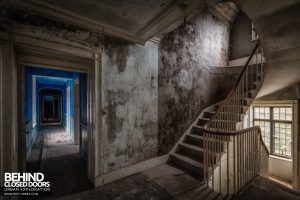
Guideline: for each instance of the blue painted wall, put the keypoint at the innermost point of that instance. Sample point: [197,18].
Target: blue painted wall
[70,83]
[41,86]
[48,81]
[30,131]
[28,94]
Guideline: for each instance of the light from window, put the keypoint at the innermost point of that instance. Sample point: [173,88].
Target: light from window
[276,128]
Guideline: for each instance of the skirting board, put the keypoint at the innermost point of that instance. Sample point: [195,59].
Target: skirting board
[130,170]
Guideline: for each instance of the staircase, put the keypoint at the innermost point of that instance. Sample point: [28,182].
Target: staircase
[209,149]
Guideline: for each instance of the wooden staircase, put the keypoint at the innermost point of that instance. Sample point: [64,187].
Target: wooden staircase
[190,153]
[204,144]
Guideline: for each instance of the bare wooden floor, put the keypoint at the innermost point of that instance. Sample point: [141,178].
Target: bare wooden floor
[58,158]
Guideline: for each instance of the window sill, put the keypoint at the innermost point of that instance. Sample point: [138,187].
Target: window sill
[281,158]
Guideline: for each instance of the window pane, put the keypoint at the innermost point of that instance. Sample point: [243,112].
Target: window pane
[282,138]
[265,131]
[283,113]
[262,113]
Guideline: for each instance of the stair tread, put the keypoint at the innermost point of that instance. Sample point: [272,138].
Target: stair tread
[194,136]
[190,146]
[204,118]
[198,126]
[188,160]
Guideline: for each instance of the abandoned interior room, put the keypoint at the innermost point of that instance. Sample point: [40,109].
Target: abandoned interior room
[150,99]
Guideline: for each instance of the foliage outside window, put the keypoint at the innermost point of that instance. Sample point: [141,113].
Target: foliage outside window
[276,127]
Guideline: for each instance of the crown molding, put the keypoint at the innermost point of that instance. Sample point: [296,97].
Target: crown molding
[169,18]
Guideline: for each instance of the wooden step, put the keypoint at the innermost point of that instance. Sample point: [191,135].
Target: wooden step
[197,130]
[197,140]
[188,165]
[194,139]
[208,114]
[191,151]
[220,122]
[202,121]
[224,115]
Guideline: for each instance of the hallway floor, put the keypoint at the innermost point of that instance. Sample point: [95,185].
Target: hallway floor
[165,182]
[54,155]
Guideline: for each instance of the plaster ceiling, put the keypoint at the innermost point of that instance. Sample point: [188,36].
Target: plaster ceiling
[135,20]
[225,11]
[51,80]
[277,23]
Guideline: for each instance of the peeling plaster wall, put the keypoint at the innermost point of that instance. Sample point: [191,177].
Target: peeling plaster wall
[186,83]
[130,102]
[241,44]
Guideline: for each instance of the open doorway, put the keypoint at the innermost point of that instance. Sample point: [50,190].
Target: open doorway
[55,136]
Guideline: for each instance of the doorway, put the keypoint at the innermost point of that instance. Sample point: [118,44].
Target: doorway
[51,107]
[53,146]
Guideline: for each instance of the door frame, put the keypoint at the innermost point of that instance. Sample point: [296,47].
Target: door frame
[77,112]
[69,110]
[68,58]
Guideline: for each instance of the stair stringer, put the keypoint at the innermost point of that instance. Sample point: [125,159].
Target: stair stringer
[188,130]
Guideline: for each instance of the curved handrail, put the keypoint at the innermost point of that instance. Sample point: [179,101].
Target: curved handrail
[233,89]
[239,132]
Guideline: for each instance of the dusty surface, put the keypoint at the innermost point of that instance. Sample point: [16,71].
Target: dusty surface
[262,188]
[165,174]
[60,162]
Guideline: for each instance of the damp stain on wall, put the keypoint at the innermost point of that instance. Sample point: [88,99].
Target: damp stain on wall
[130,100]
[186,84]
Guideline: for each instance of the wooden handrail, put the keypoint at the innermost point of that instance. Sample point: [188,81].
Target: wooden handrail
[238,82]
[238,132]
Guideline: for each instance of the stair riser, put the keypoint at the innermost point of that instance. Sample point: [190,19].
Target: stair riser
[224,115]
[223,123]
[215,145]
[197,131]
[208,115]
[192,153]
[187,166]
[194,141]
[202,122]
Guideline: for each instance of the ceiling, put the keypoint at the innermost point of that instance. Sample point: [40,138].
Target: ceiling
[277,23]
[135,20]
[51,80]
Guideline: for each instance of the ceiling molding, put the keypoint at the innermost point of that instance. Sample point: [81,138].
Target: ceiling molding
[166,20]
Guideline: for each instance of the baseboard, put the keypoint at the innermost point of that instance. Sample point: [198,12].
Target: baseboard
[130,170]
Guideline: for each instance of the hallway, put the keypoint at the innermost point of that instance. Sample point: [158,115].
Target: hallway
[55,155]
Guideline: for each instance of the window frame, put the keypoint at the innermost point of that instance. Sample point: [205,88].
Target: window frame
[272,126]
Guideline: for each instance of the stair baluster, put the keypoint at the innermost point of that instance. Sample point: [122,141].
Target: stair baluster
[233,156]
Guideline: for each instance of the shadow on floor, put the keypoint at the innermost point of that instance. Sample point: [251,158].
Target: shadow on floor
[263,188]
[59,159]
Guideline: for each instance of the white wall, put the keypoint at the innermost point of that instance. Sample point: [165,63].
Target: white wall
[281,167]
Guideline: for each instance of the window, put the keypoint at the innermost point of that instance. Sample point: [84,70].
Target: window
[254,35]
[276,127]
